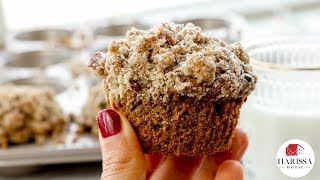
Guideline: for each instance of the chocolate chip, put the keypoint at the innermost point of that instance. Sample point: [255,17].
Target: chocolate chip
[217,108]
[136,104]
[156,126]
[248,77]
[135,85]
[149,58]
[182,98]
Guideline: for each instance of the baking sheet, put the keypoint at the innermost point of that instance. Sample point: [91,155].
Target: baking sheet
[85,149]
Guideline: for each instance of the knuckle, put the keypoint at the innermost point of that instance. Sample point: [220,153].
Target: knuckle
[115,163]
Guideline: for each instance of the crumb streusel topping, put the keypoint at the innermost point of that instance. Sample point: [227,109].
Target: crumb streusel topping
[28,113]
[174,58]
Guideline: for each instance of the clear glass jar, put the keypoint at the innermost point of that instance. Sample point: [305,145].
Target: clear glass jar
[285,104]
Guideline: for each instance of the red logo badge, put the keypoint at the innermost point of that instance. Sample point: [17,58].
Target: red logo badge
[294,150]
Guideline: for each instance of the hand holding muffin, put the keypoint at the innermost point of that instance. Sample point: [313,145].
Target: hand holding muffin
[181,89]
[123,157]
[179,92]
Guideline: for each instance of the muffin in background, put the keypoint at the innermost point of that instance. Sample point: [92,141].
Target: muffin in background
[95,103]
[180,89]
[29,114]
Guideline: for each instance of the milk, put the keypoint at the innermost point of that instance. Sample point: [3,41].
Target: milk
[268,129]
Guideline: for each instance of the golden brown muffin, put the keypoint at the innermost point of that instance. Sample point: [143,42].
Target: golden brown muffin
[29,113]
[180,89]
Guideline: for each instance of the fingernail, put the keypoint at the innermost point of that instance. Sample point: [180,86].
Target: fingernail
[109,122]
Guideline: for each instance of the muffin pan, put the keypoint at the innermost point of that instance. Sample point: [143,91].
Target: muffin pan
[86,149]
[207,23]
[106,34]
[216,26]
[40,81]
[100,49]
[229,28]
[117,29]
[37,58]
[55,37]
[103,49]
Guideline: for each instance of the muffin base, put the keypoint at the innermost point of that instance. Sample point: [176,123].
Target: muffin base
[185,126]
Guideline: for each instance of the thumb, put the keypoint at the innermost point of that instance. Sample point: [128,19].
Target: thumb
[122,155]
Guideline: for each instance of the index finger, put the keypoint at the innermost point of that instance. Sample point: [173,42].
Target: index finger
[231,170]
[238,148]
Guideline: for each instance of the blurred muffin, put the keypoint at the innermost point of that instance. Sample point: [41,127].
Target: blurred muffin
[95,102]
[181,89]
[29,114]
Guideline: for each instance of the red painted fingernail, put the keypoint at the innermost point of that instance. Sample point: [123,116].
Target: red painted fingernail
[108,122]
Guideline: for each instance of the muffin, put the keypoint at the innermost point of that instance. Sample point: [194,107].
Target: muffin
[180,89]
[29,114]
[95,103]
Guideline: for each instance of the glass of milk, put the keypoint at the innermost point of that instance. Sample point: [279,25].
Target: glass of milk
[285,104]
